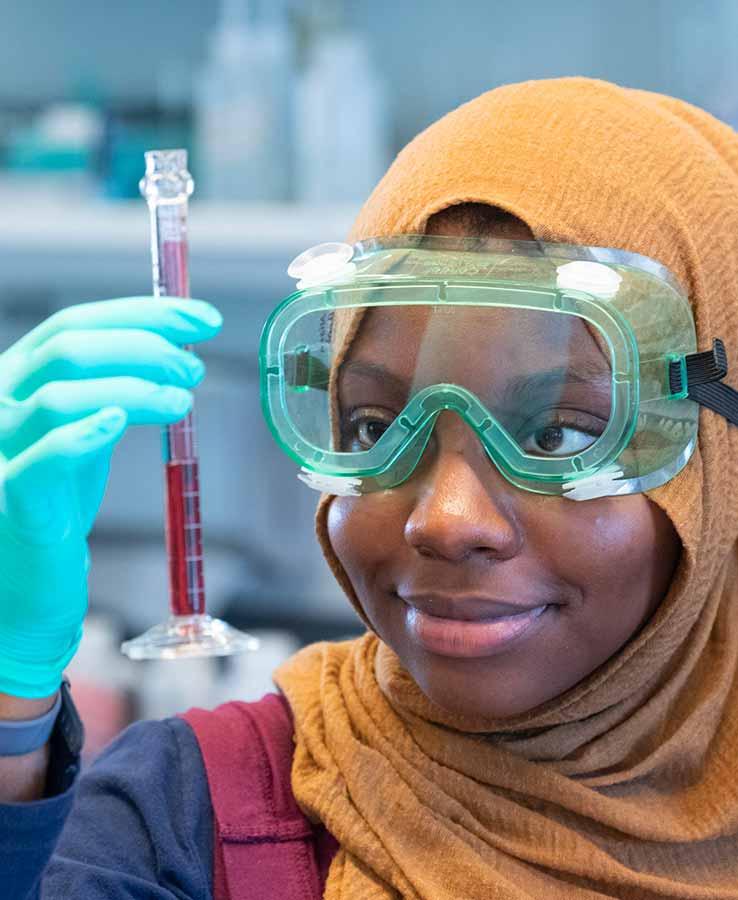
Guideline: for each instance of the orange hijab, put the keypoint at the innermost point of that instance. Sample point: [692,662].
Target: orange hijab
[626,785]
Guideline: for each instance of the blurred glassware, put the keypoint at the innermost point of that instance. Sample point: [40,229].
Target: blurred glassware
[61,143]
[341,134]
[241,104]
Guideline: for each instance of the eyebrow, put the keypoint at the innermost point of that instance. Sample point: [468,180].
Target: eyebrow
[516,389]
[378,373]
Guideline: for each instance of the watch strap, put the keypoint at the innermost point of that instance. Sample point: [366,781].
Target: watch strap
[65,745]
[26,735]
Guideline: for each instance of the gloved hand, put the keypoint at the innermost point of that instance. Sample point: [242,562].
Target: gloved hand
[68,389]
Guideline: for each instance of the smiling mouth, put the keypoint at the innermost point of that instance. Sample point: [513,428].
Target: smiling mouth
[468,607]
[534,610]
[470,639]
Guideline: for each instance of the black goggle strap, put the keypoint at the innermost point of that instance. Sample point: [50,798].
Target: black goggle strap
[703,373]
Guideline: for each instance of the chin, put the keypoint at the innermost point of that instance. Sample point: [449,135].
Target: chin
[450,690]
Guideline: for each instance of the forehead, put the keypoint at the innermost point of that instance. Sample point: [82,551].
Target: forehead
[412,338]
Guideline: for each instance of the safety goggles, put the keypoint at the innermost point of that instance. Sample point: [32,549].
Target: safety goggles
[576,367]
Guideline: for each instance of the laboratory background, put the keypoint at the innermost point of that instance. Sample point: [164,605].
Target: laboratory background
[290,111]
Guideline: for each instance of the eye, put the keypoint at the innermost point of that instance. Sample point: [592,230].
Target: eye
[370,431]
[364,427]
[561,433]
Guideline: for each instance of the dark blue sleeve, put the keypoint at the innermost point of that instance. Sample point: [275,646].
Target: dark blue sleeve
[140,825]
[28,834]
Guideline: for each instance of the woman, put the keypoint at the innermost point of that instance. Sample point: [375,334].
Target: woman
[584,744]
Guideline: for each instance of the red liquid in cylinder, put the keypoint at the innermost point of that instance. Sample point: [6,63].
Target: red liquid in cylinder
[184,539]
[173,276]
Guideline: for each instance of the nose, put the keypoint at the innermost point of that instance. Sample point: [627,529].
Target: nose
[462,506]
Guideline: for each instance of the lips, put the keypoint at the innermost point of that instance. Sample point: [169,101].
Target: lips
[475,639]
[467,607]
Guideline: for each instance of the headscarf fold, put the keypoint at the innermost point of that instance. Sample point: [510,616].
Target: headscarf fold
[626,785]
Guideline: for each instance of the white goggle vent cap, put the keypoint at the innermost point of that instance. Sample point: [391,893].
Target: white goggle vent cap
[325,262]
[592,277]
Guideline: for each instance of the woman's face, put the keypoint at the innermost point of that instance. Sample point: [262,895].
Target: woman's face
[457,532]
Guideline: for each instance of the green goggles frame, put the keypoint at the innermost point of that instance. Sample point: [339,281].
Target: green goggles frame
[416,271]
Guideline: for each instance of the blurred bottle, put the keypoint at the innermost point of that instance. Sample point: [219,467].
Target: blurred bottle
[57,151]
[170,686]
[341,140]
[242,118]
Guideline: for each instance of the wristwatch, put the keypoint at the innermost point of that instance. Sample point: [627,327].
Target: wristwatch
[65,745]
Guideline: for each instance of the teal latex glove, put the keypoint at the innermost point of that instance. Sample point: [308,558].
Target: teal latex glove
[68,390]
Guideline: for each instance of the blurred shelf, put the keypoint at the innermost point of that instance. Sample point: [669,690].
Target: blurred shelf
[122,227]
[62,250]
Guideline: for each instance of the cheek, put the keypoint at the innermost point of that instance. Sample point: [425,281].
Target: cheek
[621,552]
[626,535]
[366,531]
